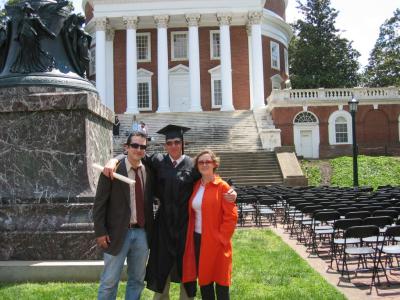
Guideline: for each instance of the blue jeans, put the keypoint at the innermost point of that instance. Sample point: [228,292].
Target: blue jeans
[135,250]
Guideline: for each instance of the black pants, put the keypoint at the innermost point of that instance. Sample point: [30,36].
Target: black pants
[208,291]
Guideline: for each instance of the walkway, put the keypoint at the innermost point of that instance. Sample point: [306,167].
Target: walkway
[357,289]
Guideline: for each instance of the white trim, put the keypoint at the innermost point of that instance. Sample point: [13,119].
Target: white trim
[173,33]
[314,128]
[215,75]
[276,79]
[144,76]
[332,130]
[286,60]
[212,57]
[148,34]
[272,44]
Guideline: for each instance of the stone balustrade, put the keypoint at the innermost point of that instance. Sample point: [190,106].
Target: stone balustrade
[322,94]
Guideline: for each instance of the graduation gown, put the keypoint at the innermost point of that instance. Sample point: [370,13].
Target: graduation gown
[173,188]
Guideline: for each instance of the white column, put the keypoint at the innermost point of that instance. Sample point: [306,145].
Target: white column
[194,62]
[226,67]
[101,24]
[248,29]
[110,33]
[162,63]
[257,59]
[131,65]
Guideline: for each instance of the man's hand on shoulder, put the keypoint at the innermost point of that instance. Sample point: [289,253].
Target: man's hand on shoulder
[230,196]
[110,167]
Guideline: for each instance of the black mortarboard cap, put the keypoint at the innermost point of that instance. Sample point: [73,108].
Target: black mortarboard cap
[174,131]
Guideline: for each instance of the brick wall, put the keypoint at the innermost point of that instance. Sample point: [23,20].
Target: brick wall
[88,12]
[277,6]
[268,71]
[377,129]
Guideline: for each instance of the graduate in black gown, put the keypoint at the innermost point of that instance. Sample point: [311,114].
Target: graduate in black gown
[175,175]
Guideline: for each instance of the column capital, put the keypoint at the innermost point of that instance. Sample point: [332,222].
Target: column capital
[224,18]
[248,29]
[130,22]
[101,23]
[254,17]
[161,21]
[193,19]
[110,33]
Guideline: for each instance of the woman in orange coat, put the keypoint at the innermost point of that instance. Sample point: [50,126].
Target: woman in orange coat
[212,221]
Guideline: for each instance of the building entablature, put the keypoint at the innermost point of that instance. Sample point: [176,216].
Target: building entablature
[329,97]
[241,13]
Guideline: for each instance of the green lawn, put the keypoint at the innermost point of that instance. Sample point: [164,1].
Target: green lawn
[264,268]
[372,171]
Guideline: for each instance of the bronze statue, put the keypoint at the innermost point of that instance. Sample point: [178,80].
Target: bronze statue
[77,43]
[32,27]
[5,32]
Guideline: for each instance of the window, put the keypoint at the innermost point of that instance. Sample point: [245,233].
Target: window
[339,127]
[341,130]
[286,57]
[179,45]
[217,92]
[305,117]
[275,55]
[216,87]
[215,44]
[144,95]
[92,62]
[143,46]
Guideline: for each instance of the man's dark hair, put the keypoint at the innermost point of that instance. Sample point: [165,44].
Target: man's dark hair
[136,133]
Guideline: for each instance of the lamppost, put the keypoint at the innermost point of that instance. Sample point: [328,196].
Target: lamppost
[353,103]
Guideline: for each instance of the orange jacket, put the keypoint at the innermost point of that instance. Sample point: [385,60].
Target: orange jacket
[218,223]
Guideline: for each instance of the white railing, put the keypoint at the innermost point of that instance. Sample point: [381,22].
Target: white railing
[335,94]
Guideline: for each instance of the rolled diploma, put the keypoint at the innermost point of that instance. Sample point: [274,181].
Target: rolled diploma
[116,175]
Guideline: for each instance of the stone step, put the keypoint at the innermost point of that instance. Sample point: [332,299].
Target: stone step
[52,271]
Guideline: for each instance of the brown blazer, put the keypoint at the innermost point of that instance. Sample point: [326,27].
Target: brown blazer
[111,210]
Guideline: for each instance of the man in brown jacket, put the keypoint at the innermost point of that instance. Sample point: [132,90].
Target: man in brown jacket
[123,220]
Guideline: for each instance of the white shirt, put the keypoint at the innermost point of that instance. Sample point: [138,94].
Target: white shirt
[178,161]
[131,175]
[196,205]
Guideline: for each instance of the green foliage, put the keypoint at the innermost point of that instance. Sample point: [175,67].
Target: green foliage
[312,172]
[372,171]
[319,57]
[384,62]
[264,267]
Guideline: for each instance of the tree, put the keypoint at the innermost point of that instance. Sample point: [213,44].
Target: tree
[383,67]
[319,57]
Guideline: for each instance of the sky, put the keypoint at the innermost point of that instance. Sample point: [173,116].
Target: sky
[358,20]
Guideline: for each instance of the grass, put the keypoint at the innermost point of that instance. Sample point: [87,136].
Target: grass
[264,267]
[373,171]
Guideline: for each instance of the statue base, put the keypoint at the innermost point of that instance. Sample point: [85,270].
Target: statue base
[49,139]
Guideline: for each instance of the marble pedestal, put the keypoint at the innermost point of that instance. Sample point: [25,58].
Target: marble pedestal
[49,138]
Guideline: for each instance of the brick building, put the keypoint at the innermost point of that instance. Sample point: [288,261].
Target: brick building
[203,55]
[187,55]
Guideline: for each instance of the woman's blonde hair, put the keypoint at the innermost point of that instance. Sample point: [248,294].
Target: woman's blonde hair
[214,158]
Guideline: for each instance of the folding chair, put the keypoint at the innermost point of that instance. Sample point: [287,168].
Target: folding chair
[389,250]
[362,252]
[323,227]
[337,240]
[362,214]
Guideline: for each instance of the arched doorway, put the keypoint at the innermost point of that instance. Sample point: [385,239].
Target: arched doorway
[306,134]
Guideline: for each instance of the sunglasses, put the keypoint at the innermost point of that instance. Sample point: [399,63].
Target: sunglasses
[205,162]
[136,146]
[176,143]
